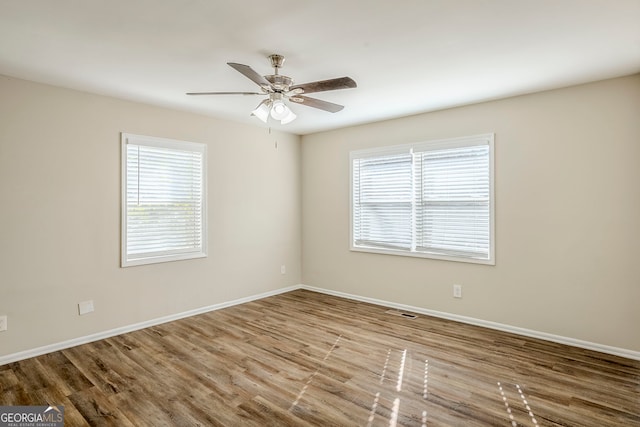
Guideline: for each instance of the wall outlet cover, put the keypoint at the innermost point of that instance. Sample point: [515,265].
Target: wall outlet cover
[85,307]
[457,291]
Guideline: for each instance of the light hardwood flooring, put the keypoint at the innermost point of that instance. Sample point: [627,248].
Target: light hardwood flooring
[304,358]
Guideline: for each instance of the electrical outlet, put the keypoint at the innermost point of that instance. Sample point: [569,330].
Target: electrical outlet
[283,269]
[457,291]
[85,307]
[3,323]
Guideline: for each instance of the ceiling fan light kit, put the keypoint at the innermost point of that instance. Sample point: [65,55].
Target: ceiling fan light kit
[279,88]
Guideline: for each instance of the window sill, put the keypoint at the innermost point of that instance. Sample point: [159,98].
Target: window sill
[422,255]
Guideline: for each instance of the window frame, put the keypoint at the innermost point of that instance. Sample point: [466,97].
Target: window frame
[128,260]
[459,142]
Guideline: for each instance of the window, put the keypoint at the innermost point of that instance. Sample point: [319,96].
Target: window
[432,199]
[163,200]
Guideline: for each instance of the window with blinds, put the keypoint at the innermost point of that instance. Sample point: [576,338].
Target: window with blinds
[163,200]
[432,199]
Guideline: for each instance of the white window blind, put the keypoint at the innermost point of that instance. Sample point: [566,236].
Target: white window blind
[164,201]
[453,211]
[431,199]
[384,199]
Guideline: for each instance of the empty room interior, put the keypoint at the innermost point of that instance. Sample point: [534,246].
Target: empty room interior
[410,213]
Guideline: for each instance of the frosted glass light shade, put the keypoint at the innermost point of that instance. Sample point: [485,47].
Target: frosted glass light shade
[290,117]
[279,110]
[262,110]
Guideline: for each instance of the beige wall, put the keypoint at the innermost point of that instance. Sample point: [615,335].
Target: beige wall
[567,215]
[60,215]
[566,264]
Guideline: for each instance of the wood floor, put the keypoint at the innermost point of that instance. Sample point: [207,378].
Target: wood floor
[304,358]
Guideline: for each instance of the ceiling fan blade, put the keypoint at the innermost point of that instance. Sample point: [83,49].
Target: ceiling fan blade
[225,93]
[323,85]
[316,103]
[250,73]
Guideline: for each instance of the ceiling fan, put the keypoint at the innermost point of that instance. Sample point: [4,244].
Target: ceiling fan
[279,88]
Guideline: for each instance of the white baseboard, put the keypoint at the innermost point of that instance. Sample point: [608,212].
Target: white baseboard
[14,357]
[130,328]
[629,354]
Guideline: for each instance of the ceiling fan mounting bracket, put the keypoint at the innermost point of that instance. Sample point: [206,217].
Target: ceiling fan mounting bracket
[276,61]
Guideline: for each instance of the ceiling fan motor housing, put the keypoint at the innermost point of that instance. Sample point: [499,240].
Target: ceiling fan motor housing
[279,83]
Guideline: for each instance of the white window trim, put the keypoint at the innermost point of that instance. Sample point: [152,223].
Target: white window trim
[465,141]
[127,138]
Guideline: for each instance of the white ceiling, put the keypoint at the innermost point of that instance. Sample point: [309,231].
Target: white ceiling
[407,56]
